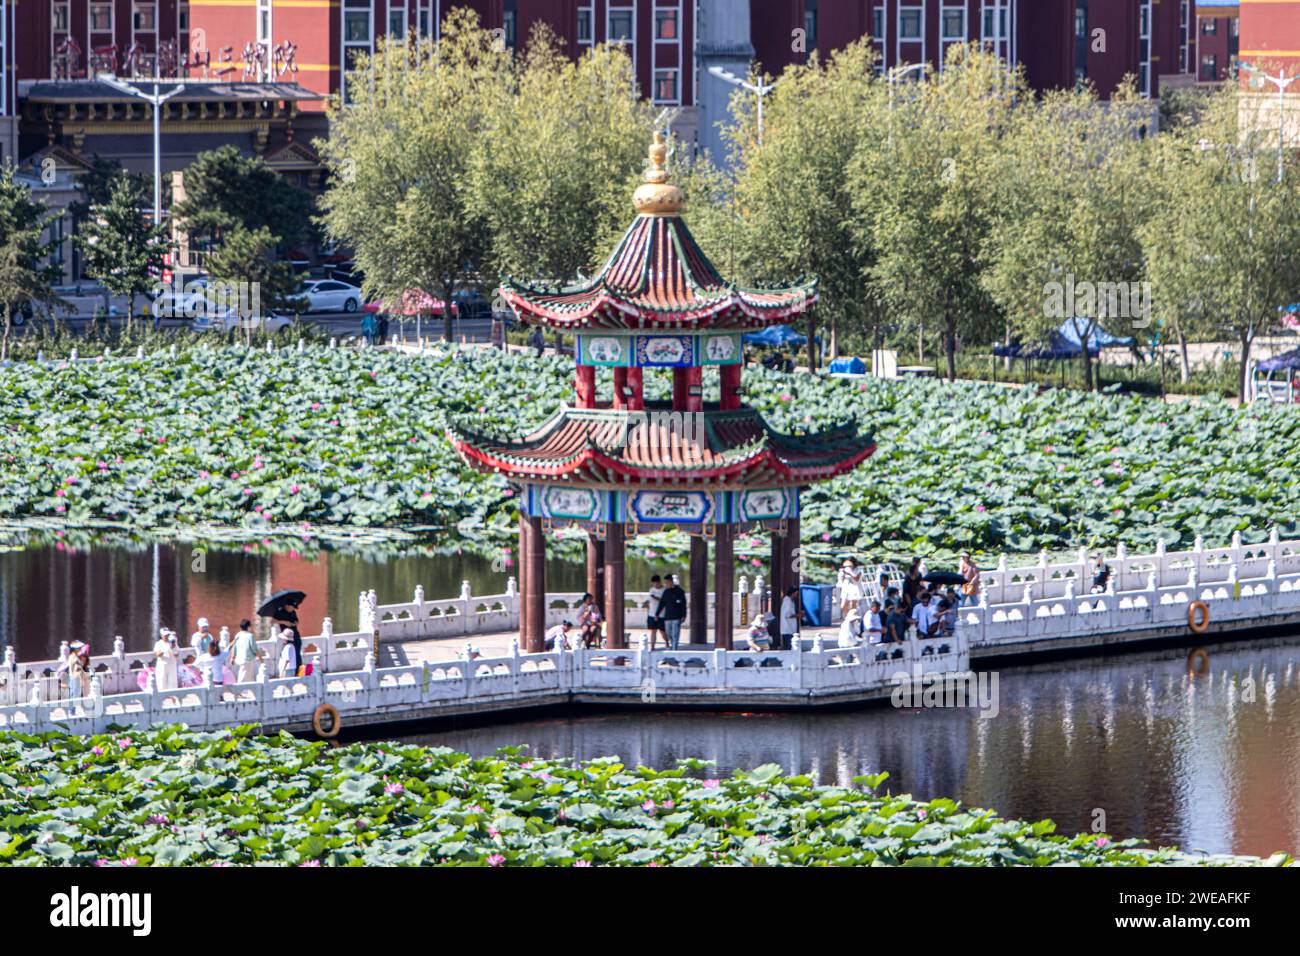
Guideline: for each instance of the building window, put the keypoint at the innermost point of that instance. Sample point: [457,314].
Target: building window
[878,24]
[356,22]
[1209,68]
[101,17]
[59,17]
[510,23]
[665,86]
[357,39]
[953,24]
[666,23]
[1144,48]
[810,23]
[397,21]
[584,25]
[183,17]
[144,18]
[909,24]
[620,25]
[422,17]
[56,242]
[1209,26]
[263,21]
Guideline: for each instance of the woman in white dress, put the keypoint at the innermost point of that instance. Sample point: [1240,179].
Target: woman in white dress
[850,584]
[165,655]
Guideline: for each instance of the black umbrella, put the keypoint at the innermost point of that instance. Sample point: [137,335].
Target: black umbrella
[272,605]
[944,577]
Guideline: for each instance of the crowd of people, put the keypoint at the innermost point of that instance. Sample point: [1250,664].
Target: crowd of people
[207,658]
[930,607]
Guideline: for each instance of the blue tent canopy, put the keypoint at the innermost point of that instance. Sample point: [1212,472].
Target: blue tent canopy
[1066,343]
[1277,363]
[775,336]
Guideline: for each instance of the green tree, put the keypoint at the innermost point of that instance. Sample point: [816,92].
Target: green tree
[793,202]
[924,199]
[121,248]
[248,256]
[26,275]
[1223,246]
[225,189]
[402,157]
[1069,206]
[551,184]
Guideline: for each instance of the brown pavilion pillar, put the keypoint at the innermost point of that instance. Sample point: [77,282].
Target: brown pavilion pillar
[724,577]
[596,568]
[681,388]
[532,613]
[793,562]
[776,586]
[699,597]
[614,585]
[620,388]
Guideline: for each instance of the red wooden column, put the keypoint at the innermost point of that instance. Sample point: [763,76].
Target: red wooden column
[596,568]
[620,388]
[614,585]
[724,583]
[636,389]
[584,386]
[699,597]
[694,389]
[681,388]
[729,382]
[533,618]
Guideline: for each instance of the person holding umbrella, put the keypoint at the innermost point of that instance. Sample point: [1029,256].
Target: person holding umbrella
[282,608]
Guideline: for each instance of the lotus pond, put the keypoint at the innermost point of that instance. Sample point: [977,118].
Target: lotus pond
[306,442]
[171,797]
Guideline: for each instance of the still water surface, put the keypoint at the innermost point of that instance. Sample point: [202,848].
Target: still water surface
[1210,763]
[1176,760]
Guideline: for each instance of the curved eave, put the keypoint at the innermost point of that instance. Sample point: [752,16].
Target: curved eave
[591,466]
[604,311]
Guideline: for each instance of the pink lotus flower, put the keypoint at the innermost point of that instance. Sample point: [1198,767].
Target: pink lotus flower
[234,475]
[648,806]
[124,742]
[394,789]
[496,859]
[203,473]
[668,804]
[1101,841]
[1049,449]
[315,406]
[493,832]
[60,493]
[158,819]
[786,396]
[582,863]
[70,480]
[293,489]
[130,861]
[60,508]
[979,508]
[473,808]
[710,784]
[921,814]
[310,863]
[1096,482]
[826,535]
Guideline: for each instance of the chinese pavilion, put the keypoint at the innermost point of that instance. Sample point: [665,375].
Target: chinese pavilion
[617,466]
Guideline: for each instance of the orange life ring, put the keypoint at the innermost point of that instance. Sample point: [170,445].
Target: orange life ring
[335,722]
[1198,662]
[1198,616]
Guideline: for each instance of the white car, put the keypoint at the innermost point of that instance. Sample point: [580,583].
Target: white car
[329,295]
[271,323]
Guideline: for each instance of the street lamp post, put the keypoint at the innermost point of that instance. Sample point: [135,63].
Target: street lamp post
[1281,81]
[759,89]
[156,100]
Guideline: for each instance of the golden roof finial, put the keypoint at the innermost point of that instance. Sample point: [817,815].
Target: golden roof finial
[655,197]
